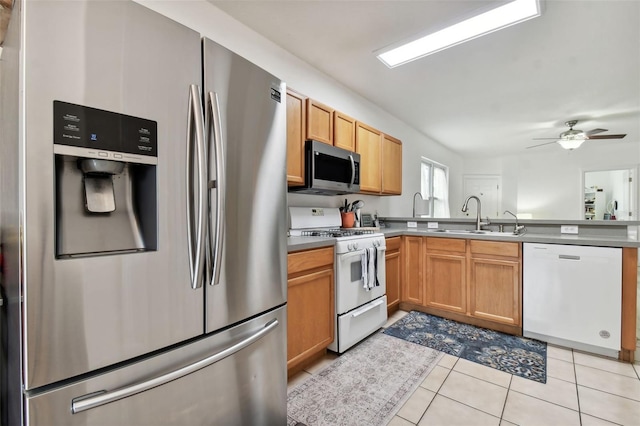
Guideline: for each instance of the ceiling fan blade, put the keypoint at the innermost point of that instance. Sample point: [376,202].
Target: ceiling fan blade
[607,137]
[541,144]
[595,131]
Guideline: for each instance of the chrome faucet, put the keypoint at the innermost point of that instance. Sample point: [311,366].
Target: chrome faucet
[414,202]
[518,228]
[479,224]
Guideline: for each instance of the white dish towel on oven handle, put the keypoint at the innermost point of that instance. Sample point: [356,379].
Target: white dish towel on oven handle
[370,268]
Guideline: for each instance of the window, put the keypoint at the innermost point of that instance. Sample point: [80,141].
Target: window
[434,188]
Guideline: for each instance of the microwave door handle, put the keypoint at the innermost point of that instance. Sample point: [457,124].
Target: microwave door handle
[216,234]
[196,202]
[353,170]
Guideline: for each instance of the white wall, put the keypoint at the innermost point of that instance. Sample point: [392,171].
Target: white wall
[548,183]
[220,27]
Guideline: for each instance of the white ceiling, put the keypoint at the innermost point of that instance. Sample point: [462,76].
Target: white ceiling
[579,60]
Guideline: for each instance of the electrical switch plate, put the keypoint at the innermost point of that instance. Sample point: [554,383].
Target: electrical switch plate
[568,229]
[432,225]
[412,224]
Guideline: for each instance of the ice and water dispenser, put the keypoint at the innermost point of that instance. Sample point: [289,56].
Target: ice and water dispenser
[105,182]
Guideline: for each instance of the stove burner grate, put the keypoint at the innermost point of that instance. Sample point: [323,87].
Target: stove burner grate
[336,232]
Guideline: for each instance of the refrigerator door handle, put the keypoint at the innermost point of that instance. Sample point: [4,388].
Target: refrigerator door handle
[96,399]
[196,204]
[216,143]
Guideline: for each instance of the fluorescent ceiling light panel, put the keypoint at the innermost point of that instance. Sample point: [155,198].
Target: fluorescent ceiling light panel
[496,19]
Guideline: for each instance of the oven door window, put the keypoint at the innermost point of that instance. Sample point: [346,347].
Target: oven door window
[356,269]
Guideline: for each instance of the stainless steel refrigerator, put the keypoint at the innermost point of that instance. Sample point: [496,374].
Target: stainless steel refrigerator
[143,188]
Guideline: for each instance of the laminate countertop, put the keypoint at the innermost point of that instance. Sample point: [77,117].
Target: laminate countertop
[306,243]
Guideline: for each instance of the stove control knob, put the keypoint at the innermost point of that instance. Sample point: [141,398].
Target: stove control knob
[350,247]
[355,246]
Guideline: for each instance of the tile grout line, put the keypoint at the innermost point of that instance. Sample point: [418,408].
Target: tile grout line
[437,391]
[575,377]
[504,407]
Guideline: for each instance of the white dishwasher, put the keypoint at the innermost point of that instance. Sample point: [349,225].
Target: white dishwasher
[572,296]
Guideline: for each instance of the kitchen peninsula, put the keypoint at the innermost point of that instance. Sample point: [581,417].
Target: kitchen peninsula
[477,278]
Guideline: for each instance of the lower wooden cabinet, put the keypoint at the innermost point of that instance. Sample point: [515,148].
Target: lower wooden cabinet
[445,274]
[473,281]
[495,281]
[311,306]
[393,265]
[413,281]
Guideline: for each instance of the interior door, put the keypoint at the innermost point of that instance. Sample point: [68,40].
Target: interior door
[487,188]
[246,122]
[86,313]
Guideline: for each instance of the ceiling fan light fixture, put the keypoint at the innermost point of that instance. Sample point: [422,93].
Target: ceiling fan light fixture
[570,143]
[496,19]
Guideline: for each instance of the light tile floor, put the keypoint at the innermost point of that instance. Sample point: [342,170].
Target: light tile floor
[581,389]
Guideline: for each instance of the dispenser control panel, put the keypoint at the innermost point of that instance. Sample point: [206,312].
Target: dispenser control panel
[108,133]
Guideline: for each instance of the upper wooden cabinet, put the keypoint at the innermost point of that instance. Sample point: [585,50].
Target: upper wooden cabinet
[391,165]
[369,146]
[380,154]
[296,131]
[380,161]
[344,131]
[319,122]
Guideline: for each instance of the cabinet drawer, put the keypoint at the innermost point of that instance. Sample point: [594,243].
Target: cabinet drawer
[393,243]
[309,259]
[495,248]
[446,244]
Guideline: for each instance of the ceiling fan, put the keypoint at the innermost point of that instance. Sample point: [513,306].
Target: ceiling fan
[572,139]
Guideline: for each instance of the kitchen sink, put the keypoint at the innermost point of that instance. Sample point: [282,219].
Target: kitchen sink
[475,232]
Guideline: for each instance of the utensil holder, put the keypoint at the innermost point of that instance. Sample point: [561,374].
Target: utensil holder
[348,219]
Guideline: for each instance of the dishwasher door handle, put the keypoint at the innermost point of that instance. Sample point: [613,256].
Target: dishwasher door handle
[568,257]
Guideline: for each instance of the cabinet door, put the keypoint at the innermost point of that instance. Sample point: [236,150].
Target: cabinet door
[393,273]
[319,122]
[412,289]
[296,116]
[344,131]
[391,165]
[446,281]
[310,323]
[369,146]
[495,290]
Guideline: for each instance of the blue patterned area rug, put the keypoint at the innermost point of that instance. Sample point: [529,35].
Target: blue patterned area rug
[515,355]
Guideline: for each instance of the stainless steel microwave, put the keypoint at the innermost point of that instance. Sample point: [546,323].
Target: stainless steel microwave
[329,170]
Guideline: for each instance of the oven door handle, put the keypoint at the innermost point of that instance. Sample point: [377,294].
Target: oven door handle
[367,308]
[351,254]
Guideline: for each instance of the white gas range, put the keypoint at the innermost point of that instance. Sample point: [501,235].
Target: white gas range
[359,268]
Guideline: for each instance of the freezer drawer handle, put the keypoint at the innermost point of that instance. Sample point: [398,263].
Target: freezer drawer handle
[367,308]
[97,399]
[568,257]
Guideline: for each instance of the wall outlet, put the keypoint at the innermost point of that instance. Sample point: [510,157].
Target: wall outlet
[568,229]
[432,225]
[412,224]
